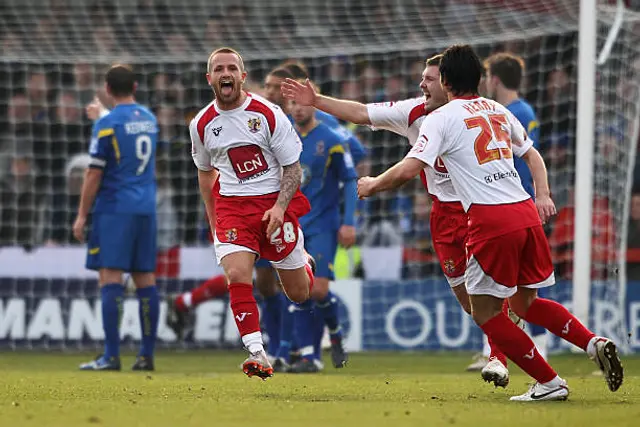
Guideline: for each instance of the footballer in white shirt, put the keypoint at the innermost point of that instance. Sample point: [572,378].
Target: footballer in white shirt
[508,255]
[448,219]
[249,174]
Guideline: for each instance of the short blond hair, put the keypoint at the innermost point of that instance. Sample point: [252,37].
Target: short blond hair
[225,50]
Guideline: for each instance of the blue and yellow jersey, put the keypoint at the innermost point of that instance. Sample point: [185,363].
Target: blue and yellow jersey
[123,144]
[326,162]
[527,118]
[357,150]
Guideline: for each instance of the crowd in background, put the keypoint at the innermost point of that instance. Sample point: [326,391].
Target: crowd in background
[44,131]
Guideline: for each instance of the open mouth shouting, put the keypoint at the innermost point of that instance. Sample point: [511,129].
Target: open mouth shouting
[226,87]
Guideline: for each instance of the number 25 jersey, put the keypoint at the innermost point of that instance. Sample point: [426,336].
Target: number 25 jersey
[476,138]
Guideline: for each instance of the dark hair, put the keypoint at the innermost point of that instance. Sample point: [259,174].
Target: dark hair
[121,80]
[461,69]
[508,67]
[281,73]
[434,60]
[297,69]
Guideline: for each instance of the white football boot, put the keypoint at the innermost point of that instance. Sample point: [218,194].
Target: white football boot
[605,354]
[495,372]
[555,389]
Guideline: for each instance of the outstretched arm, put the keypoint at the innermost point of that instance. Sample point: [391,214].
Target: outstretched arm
[401,173]
[305,94]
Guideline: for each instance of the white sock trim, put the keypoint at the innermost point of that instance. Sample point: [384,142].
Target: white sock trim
[186,299]
[253,342]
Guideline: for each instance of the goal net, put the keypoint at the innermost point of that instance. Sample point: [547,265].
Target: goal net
[54,53]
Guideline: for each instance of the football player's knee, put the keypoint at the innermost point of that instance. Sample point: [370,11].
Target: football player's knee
[298,294]
[239,274]
[320,288]
[521,301]
[460,292]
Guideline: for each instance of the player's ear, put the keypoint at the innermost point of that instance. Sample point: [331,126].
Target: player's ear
[244,76]
[208,78]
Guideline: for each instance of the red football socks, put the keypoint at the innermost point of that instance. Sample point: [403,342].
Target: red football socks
[557,319]
[495,351]
[244,308]
[517,345]
[209,289]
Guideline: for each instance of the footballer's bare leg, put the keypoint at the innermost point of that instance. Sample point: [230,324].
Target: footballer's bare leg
[267,282]
[297,283]
[238,267]
[556,318]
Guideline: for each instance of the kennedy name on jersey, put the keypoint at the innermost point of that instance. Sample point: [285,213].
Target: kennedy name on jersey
[132,128]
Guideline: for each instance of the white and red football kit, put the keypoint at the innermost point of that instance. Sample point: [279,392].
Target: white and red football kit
[476,138]
[448,220]
[249,146]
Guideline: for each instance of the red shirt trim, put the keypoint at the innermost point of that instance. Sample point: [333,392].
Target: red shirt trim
[206,118]
[468,97]
[258,107]
[417,112]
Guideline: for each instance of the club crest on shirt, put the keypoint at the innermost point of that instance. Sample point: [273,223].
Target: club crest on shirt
[449,266]
[320,148]
[232,235]
[254,124]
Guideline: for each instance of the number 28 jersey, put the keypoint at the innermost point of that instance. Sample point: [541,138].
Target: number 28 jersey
[476,139]
[123,145]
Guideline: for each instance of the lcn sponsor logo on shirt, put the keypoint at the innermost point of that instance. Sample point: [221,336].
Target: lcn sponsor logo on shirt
[248,162]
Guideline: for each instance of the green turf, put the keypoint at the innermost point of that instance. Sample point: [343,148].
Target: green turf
[383,389]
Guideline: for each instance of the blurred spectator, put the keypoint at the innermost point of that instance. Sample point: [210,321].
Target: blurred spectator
[216,32]
[19,109]
[178,44]
[372,84]
[85,81]
[178,167]
[350,89]
[69,136]
[20,203]
[11,44]
[37,93]
[603,238]
[103,12]
[633,239]
[167,219]
[106,42]
[166,89]
[394,89]
[64,204]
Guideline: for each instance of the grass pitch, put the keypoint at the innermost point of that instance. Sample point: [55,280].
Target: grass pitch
[377,389]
